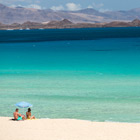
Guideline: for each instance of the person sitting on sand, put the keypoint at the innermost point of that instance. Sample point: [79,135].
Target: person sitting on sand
[28,114]
[18,116]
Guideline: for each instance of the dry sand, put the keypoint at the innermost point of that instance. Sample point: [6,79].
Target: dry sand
[67,129]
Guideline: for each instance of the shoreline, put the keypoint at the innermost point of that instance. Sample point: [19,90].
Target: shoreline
[66,24]
[106,121]
[67,129]
[24,29]
[96,121]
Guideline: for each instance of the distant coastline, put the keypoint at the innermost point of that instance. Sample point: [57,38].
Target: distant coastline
[65,23]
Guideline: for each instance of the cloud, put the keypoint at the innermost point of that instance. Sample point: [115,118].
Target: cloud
[57,8]
[27,6]
[96,6]
[13,6]
[16,2]
[104,10]
[90,6]
[35,6]
[73,6]
[68,6]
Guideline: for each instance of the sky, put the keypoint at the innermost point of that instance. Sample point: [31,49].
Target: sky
[101,5]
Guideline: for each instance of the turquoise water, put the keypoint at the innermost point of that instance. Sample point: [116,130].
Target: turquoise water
[96,79]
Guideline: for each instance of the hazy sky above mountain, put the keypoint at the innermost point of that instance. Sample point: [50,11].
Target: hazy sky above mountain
[101,5]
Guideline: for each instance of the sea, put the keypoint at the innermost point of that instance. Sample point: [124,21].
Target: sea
[87,74]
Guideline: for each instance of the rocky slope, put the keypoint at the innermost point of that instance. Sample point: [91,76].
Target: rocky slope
[67,24]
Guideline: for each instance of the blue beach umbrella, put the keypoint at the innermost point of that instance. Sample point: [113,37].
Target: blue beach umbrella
[23,105]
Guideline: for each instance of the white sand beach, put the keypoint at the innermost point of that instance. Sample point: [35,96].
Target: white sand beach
[67,129]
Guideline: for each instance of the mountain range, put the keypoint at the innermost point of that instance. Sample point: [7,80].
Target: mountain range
[10,15]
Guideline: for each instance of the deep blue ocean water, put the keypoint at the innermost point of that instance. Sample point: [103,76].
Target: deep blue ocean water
[91,74]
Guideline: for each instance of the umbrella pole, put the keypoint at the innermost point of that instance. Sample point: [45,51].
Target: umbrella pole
[23,111]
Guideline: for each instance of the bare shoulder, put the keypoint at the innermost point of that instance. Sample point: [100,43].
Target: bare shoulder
[15,113]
